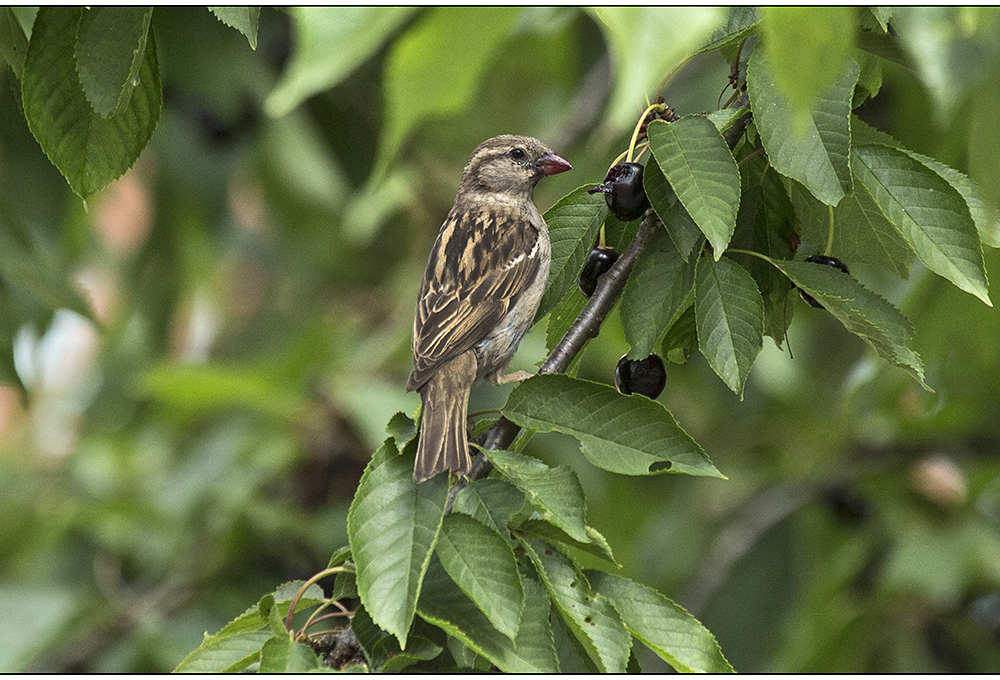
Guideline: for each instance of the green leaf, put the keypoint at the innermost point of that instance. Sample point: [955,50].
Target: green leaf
[813,152]
[663,626]
[212,387]
[481,563]
[630,435]
[243,19]
[588,614]
[951,47]
[573,224]
[492,501]
[562,317]
[13,43]
[741,23]
[729,313]
[444,605]
[422,69]
[90,151]
[928,212]
[281,655]
[329,44]
[696,160]
[681,338]
[598,545]
[254,618]
[646,43]
[418,649]
[109,53]
[555,492]
[227,654]
[401,428]
[862,312]
[572,656]
[861,233]
[763,225]
[983,214]
[808,48]
[393,524]
[685,234]
[656,289]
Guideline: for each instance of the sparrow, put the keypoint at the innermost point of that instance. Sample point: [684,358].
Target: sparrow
[485,277]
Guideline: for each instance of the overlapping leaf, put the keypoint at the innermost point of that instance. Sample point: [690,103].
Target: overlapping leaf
[393,525]
[654,293]
[109,52]
[630,435]
[663,626]
[481,563]
[814,152]
[90,150]
[532,651]
[491,501]
[729,313]
[554,492]
[861,233]
[573,224]
[589,615]
[867,315]
[928,212]
[682,229]
[699,166]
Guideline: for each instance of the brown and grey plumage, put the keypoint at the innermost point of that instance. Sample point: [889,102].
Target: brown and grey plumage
[485,277]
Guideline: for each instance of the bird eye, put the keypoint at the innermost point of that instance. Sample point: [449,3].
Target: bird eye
[518,154]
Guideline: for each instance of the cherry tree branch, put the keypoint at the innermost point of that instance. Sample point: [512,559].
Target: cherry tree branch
[588,323]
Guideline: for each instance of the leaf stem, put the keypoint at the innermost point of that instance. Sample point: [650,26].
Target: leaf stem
[829,238]
[305,586]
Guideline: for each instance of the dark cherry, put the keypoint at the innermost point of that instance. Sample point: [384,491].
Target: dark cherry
[598,262]
[642,376]
[623,191]
[821,259]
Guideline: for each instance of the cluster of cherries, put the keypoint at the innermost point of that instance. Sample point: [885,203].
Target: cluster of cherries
[626,198]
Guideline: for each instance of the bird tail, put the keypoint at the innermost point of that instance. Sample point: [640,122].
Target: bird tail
[443,444]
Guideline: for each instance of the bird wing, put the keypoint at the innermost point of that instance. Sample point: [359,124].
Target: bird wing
[480,264]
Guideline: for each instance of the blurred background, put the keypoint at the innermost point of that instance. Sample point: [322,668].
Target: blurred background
[256,272]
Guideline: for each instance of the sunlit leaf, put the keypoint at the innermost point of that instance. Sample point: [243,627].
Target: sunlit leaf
[330,43]
[807,48]
[646,43]
[281,655]
[425,78]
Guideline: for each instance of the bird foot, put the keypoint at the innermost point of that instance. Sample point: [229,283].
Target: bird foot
[519,376]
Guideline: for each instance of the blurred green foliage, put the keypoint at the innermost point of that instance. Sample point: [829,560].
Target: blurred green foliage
[254,277]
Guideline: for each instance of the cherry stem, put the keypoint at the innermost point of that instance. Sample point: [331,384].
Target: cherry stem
[638,126]
[305,586]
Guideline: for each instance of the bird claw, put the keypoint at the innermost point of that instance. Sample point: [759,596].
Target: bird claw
[519,376]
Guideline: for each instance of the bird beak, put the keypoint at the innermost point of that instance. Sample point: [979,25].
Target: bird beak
[551,164]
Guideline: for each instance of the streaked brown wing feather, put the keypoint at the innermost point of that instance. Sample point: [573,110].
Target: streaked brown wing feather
[478,268]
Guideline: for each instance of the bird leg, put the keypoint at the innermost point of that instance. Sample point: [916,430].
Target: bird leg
[517,376]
